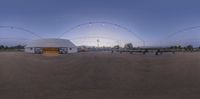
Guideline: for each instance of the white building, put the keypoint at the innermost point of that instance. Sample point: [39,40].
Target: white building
[51,45]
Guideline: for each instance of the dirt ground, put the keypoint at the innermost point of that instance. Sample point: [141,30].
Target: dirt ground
[99,75]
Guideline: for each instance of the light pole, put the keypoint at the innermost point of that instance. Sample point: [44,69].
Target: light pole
[98,42]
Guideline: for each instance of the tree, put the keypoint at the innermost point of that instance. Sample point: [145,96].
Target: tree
[128,46]
[116,47]
[18,47]
[1,47]
[190,47]
[6,47]
[179,47]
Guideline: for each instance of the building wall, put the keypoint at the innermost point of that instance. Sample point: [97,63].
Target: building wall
[29,50]
[68,50]
[73,50]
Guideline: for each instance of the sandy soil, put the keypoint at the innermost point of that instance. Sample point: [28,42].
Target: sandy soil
[99,76]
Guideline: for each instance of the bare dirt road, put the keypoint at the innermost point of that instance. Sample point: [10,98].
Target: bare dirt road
[99,76]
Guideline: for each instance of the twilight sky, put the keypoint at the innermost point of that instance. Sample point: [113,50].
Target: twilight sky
[152,20]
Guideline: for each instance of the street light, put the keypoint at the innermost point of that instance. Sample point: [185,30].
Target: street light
[98,42]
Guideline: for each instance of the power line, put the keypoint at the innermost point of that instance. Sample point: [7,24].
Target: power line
[22,29]
[114,24]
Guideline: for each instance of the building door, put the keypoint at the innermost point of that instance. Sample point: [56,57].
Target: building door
[51,50]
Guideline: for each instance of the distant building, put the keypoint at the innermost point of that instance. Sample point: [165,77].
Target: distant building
[61,46]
